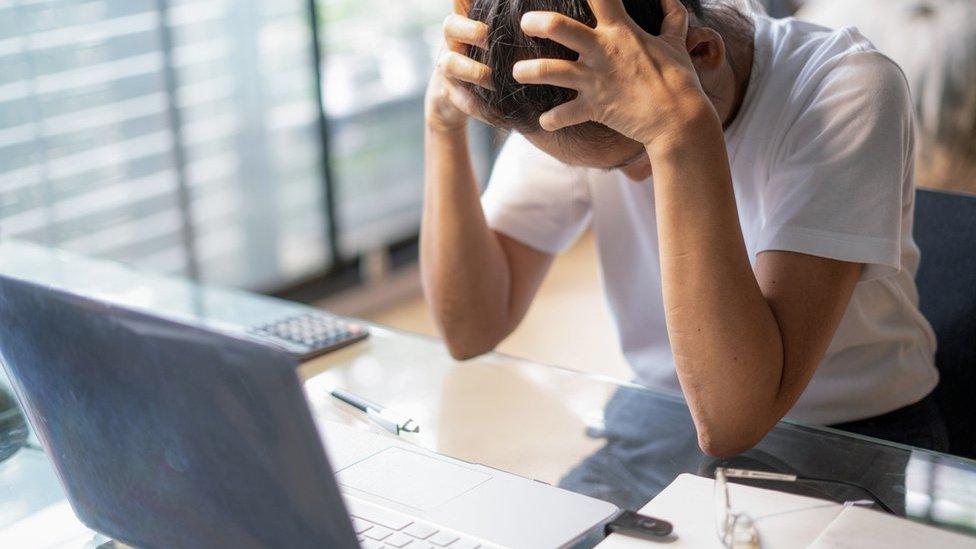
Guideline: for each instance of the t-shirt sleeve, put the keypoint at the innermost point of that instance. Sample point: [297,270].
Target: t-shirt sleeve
[839,184]
[536,199]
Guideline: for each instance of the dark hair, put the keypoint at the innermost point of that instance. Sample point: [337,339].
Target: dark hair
[518,106]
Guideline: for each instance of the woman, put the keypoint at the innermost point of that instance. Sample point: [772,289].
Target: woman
[765,270]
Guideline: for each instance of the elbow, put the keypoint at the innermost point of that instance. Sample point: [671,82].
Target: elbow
[722,449]
[462,351]
[466,344]
[725,441]
[466,339]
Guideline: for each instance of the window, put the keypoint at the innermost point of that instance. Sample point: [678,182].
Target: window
[185,136]
[377,59]
[179,136]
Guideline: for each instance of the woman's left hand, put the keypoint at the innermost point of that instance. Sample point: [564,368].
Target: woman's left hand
[643,86]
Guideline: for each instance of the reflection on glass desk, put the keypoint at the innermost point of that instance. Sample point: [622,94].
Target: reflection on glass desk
[613,440]
[594,435]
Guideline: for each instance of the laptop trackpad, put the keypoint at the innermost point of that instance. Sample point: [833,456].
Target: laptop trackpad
[410,478]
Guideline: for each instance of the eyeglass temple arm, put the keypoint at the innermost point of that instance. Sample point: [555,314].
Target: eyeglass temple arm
[764,475]
[758,475]
[864,489]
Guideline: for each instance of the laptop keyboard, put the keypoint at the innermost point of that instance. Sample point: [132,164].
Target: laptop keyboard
[379,528]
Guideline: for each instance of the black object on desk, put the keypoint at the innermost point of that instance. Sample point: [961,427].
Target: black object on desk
[640,526]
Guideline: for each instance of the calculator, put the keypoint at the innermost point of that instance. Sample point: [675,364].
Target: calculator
[312,334]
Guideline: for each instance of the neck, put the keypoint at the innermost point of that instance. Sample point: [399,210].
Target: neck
[741,55]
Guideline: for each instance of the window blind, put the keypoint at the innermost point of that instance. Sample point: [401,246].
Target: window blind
[180,136]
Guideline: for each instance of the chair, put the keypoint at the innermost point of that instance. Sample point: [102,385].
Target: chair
[945,230]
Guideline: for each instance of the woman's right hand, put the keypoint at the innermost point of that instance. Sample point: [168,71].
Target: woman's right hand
[448,105]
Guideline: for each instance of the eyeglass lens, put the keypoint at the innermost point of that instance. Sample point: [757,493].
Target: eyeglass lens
[736,531]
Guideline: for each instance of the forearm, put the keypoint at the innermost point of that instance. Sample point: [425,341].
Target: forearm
[464,269]
[727,344]
[745,343]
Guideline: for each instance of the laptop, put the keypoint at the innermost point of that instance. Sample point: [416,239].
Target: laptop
[166,433]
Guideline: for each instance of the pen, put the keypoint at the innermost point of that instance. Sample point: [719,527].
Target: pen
[384,417]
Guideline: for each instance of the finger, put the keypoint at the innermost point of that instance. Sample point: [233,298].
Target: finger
[458,28]
[465,101]
[607,11]
[462,7]
[559,28]
[552,72]
[460,67]
[568,114]
[675,21]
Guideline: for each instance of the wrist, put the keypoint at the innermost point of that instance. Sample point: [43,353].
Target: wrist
[694,124]
[441,116]
[438,127]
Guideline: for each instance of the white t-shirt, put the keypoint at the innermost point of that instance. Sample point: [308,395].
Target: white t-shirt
[821,155]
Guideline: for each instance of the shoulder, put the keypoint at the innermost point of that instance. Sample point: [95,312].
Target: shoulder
[833,85]
[823,63]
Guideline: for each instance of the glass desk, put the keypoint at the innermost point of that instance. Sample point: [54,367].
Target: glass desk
[598,436]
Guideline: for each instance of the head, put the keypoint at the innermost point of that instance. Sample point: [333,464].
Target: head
[518,106]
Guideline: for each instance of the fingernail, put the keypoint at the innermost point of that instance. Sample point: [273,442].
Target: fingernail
[530,17]
[517,69]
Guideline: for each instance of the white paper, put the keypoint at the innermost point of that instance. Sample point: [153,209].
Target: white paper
[867,529]
[783,520]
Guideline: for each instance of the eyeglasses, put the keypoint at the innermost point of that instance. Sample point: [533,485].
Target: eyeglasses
[735,530]
[738,530]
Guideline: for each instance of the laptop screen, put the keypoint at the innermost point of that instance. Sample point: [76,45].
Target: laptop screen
[166,434]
